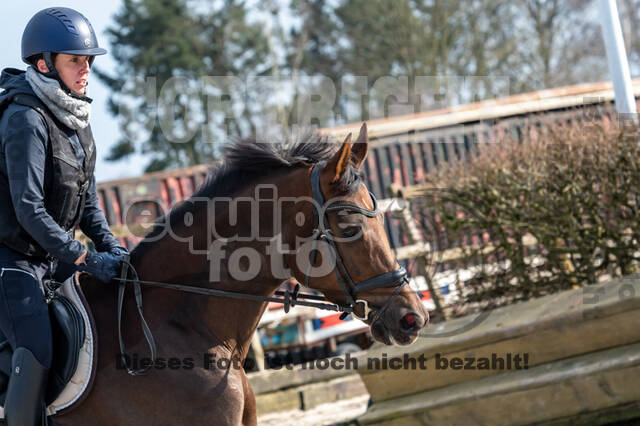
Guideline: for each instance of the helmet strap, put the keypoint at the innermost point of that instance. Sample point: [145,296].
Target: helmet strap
[53,72]
[48,60]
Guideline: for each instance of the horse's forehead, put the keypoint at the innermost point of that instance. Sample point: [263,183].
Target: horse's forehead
[364,198]
[360,197]
[300,182]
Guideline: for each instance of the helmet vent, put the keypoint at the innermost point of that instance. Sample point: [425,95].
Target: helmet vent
[62,17]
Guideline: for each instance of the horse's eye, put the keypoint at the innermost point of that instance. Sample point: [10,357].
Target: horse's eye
[350,232]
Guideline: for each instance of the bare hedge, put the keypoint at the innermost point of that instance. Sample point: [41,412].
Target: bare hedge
[554,208]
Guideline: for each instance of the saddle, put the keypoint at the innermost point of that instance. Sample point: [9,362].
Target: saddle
[74,350]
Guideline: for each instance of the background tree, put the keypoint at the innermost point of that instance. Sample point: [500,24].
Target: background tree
[383,58]
[560,43]
[629,11]
[154,41]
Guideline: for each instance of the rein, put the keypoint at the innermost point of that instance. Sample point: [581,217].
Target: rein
[287,298]
[397,278]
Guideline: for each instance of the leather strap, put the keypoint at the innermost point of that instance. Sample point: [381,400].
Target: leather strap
[350,289]
[294,297]
[145,328]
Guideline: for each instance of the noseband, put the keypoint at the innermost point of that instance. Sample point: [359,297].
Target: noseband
[397,278]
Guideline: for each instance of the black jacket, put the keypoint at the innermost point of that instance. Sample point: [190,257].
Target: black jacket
[23,157]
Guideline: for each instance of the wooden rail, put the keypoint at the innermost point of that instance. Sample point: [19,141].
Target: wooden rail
[492,109]
[583,362]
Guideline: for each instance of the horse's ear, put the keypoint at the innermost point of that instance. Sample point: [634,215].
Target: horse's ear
[340,161]
[361,146]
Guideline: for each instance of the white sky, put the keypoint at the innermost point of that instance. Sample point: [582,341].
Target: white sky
[15,16]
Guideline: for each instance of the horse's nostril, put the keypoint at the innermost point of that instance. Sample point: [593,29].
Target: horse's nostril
[408,322]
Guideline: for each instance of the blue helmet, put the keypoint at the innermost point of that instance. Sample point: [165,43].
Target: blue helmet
[59,30]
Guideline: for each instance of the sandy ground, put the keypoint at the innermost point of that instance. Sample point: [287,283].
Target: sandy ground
[324,414]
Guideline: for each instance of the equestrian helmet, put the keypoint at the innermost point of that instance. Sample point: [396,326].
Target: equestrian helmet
[59,30]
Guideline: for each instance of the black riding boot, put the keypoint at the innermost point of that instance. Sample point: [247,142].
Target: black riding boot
[24,403]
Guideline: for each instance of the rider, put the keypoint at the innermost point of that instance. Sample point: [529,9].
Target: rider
[47,188]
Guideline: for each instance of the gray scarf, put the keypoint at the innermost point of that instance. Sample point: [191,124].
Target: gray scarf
[72,112]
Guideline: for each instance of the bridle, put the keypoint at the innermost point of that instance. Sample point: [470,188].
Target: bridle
[397,278]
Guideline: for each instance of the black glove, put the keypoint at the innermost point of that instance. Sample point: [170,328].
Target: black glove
[118,251]
[104,266]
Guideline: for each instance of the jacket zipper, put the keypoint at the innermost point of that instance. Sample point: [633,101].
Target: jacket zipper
[17,270]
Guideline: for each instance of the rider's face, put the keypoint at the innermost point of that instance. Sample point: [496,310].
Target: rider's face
[74,71]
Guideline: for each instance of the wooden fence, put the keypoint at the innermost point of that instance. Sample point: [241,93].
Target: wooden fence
[582,351]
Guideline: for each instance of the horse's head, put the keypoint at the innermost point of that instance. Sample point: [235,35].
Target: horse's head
[350,236]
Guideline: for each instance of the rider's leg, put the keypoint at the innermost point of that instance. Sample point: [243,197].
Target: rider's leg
[24,403]
[24,319]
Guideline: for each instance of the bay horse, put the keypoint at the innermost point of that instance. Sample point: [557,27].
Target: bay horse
[192,331]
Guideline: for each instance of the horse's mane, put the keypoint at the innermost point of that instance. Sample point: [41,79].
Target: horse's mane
[247,161]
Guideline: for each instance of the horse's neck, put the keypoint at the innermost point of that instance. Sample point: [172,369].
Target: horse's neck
[223,321]
[211,321]
[235,320]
